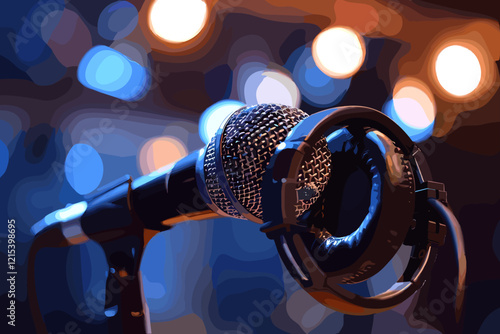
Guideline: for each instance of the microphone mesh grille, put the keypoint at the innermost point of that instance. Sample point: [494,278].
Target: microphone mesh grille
[248,142]
[213,185]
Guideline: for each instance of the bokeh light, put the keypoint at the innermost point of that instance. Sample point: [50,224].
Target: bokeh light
[177,21]
[6,128]
[213,117]
[413,108]
[268,86]
[34,50]
[4,158]
[51,21]
[117,20]
[458,70]
[70,39]
[317,88]
[132,51]
[160,151]
[339,52]
[33,55]
[109,72]
[84,168]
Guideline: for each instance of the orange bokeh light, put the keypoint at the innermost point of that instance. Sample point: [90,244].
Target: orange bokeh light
[160,151]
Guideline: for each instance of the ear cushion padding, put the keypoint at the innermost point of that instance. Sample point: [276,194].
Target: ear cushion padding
[362,253]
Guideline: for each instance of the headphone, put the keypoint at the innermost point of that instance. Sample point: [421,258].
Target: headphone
[405,206]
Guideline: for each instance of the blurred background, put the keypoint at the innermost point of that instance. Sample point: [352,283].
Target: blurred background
[93,90]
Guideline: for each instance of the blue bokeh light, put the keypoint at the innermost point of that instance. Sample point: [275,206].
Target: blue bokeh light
[317,88]
[29,43]
[213,116]
[83,168]
[110,72]
[6,131]
[117,20]
[4,158]
[417,134]
[111,312]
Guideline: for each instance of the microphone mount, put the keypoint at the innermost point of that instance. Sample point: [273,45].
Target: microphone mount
[401,215]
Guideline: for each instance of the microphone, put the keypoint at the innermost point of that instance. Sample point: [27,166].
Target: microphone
[271,164]
[224,179]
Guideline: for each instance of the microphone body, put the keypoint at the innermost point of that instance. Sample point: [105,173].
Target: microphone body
[158,200]
[173,194]
[222,179]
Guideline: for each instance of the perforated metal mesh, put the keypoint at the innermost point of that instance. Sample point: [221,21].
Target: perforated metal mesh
[249,140]
[213,185]
[313,176]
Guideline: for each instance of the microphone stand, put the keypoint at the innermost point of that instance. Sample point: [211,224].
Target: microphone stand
[125,305]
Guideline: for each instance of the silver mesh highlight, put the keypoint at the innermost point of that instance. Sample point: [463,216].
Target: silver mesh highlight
[213,186]
[313,176]
[249,140]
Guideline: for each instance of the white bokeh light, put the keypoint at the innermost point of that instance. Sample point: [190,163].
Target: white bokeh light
[414,107]
[458,70]
[271,87]
[214,116]
[177,21]
[339,52]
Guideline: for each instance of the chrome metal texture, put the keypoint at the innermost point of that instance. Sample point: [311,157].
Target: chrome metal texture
[248,141]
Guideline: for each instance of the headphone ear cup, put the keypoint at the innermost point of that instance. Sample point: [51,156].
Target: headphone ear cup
[382,222]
